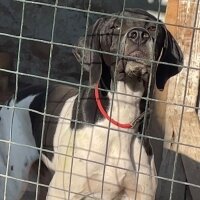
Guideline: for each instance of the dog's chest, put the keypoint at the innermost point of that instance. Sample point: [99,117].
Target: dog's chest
[97,153]
[104,146]
[94,144]
[101,143]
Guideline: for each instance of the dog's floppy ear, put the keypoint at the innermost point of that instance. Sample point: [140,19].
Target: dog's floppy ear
[171,53]
[92,60]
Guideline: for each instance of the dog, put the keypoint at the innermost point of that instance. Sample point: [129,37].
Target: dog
[92,142]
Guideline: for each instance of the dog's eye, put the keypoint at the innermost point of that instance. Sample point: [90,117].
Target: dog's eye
[152,28]
[115,27]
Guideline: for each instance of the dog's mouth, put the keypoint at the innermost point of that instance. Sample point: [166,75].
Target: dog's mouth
[138,54]
[138,74]
[134,67]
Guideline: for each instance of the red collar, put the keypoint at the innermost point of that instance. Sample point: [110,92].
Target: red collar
[105,114]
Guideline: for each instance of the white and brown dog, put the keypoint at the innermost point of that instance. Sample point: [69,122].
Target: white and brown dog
[90,147]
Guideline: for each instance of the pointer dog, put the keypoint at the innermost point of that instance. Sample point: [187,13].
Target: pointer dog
[94,156]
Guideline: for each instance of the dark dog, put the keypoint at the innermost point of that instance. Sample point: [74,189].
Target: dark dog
[89,160]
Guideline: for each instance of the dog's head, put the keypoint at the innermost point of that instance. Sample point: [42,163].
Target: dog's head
[137,41]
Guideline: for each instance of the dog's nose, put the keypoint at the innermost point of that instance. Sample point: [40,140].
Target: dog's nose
[138,35]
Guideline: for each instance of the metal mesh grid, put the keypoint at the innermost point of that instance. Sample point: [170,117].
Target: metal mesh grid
[80,85]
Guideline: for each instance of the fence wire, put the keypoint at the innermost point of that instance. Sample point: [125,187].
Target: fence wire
[55,5]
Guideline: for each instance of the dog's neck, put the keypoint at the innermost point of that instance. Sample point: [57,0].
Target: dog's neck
[125,102]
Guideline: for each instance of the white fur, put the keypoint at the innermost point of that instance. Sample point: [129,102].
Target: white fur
[21,157]
[89,153]
[90,144]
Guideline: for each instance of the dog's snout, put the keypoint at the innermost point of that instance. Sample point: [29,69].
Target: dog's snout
[138,35]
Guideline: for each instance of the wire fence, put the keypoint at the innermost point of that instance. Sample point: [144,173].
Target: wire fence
[48,79]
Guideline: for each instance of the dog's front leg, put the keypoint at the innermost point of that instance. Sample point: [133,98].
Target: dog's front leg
[82,185]
[85,182]
[78,185]
[146,172]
